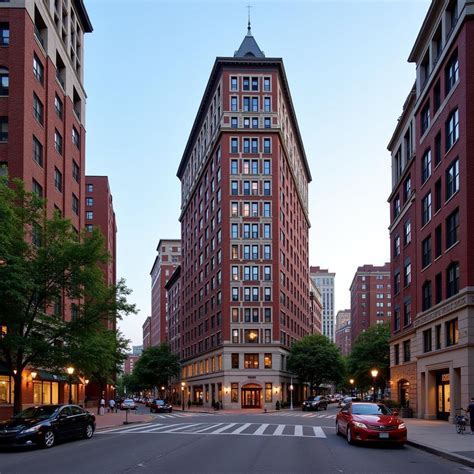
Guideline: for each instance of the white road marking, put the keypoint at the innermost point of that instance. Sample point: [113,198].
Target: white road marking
[298,430]
[279,430]
[241,428]
[318,432]
[225,427]
[260,430]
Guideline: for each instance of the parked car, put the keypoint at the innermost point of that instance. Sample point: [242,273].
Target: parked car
[344,401]
[45,425]
[160,406]
[315,403]
[128,404]
[370,422]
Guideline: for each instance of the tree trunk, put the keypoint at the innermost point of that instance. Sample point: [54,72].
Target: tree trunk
[17,392]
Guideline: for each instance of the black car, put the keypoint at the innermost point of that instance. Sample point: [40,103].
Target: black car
[160,406]
[46,424]
[315,403]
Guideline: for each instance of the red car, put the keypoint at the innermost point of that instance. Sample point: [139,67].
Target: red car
[372,422]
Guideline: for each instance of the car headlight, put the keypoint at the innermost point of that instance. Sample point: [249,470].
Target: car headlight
[402,426]
[33,429]
[360,425]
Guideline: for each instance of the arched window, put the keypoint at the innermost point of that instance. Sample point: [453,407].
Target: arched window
[4,81]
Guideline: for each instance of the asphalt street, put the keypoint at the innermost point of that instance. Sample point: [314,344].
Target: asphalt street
[282,442]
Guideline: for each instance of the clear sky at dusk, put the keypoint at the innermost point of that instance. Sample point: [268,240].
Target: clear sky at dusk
[147,64]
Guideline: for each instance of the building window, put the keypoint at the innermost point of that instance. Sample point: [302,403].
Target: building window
[255,84]
[267,252]
[396,351]
[37,151]
[426,166]
[452,332]
[267,122]
[234,392]
[254,145]
[396,207]
[438,241]
[254,104]
[234,167]
[246,104]
[267,188]
[58,142]
[452,129]
[407,273]
[407,189]
[235,361]
[58,106]
[6,387]
[437,195]
[426,295]
[251,361]
[266,145]
[396,283]
[426,252]
[407,233]
[452,72]
[234,145]
[452,179]
[4,34]
[267,104]
[246,145]
[37,189]
[233,83]
[76,139]
[89,227]
[58,180]
[425,118]
[235,336]
[38,109]
[75,171]
[426,209]
[89,215]
[406,351]
[38,69]
[407,313]
[438,288]
[452,279]
[251,336]
[396,319]
[89,201]
[246,84]
[266,84]
[3,129]
[90,188]
[427,340]
[233,104]
[4,81]
[75,204]
[437,149]
[452,229]
[438,336]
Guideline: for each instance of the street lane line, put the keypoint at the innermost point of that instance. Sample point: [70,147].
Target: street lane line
[298,430]
[225,427]
[262,428]
[128,428]
[215,425]
[279,430]
[241,428]
[318,432]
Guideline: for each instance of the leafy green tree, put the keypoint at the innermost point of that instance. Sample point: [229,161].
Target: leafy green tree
[156,366]
[316,360]
[46,266]
[127,383]
[371,350]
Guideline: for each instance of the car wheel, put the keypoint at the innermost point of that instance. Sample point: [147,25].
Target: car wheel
[349,435]
[49,439]
[171,410]
[338,432]
[325,407]
[89,431]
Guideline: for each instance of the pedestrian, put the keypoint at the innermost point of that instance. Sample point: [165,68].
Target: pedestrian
[111,405]
[102,406]
[189,404]
[470,410]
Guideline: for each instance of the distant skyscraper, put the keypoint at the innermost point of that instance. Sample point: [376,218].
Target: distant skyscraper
[343,331]
[316,308]
[325,281]
[146,328]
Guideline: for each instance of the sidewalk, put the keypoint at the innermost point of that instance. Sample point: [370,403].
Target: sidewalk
[440,437]
[110,420]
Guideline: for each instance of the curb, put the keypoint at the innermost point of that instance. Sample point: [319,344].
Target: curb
[122,424]
[441,453]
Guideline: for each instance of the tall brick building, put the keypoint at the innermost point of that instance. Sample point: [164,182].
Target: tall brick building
[244,230]
[42,128]
[343,331]
[168,258]
[371,301]
[432,219]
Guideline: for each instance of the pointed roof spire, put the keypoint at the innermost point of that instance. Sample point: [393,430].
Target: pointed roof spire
[249,47]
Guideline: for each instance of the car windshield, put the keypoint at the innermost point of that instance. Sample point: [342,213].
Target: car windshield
[128,401]
[370,410]
[41,413]
[160,402]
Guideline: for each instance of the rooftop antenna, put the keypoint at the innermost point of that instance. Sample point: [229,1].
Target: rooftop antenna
[249,31]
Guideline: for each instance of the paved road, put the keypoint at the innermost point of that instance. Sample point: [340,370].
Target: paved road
[287,442]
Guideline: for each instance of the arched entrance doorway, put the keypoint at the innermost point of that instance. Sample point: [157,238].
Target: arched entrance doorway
[404,393]
[251,396]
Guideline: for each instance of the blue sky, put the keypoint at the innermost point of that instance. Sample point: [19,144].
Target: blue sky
[146,66]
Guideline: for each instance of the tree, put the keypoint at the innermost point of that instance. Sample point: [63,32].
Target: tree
[156,367]
[316,360]
[371,350]
[49,267]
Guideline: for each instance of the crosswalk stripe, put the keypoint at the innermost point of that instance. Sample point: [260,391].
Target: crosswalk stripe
[185,427]
[223,428]
[241,428]
[202,430]
[122,428]
[153,429]
[298,430]
[279,430]
[261,429]
[318,432]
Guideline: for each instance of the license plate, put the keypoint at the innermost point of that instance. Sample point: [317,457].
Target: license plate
[384,435]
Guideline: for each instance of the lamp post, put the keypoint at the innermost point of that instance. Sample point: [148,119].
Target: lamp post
[163,392]
[291,393]
[374,373]
[70,371]
[351,381]
[182,393]
[311,297]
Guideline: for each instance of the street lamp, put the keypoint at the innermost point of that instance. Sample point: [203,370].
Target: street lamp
[351,381]
[291,394]
[182,392]
[374,373]
[311,297]
[70,371]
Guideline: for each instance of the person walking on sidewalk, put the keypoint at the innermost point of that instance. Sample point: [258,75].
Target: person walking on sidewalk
[470,410]
[111,405]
